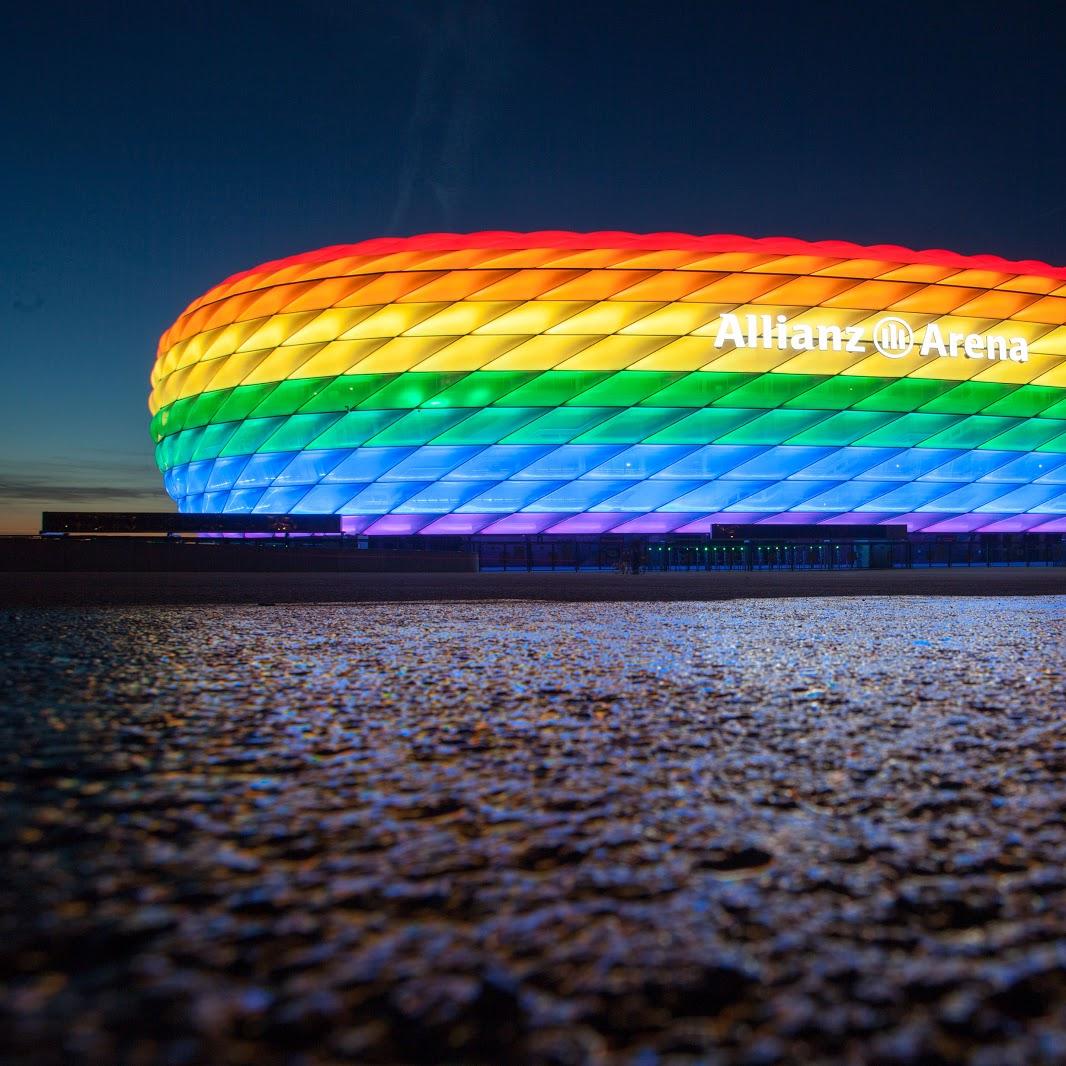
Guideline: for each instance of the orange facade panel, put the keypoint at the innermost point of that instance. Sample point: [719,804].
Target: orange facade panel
[1050,309]
[873,295]
[527,284]
[737,288]
[934,300]
[456,284]
[669,285]
[597,284]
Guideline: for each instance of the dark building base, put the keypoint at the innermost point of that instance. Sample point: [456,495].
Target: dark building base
[118,542]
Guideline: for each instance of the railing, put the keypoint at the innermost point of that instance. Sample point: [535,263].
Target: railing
[532,553]
[718,555]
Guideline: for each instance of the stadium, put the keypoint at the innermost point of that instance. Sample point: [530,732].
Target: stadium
[561,384]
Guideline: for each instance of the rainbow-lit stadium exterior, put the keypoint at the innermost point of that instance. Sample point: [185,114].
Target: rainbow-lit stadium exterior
[561,383]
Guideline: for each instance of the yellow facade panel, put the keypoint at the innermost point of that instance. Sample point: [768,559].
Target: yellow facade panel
[281,364]
[456,319]
[673,320]
[1009,372]
[331,324]
[1055,376]
[468,353]
[612,353]
[231,372]
[540,353]
[179,355]
[535,316]
[958,369]
[745,360]
[685,353]
[391,320]
[337,357]
[817,362]
[1050,343]
[276,330]
[399,354]
[606,317]
[198,377]
[227,339]
[876,365]
[168,388]
[188,382]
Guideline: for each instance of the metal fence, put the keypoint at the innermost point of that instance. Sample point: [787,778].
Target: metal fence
[529,553]
[718,555]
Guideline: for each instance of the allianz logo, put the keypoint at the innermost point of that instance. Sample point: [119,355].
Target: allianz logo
[890,336]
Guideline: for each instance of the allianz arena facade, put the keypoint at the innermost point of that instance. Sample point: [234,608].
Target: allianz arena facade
[561,383]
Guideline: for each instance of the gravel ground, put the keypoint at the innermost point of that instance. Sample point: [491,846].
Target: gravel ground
[758,831]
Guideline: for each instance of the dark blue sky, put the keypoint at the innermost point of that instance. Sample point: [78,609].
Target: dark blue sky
[151,149]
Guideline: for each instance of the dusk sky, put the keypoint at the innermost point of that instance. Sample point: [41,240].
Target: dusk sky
[152,149]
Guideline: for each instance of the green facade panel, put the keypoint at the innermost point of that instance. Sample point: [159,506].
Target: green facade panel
[346,392]
[354,429]
[907,431]
[559,426]
[554,387]
[489,426]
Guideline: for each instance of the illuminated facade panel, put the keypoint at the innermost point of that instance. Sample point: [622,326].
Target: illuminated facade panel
[585,383]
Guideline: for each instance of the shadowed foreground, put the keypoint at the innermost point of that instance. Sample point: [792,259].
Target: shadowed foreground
[753,832]
[93,589]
